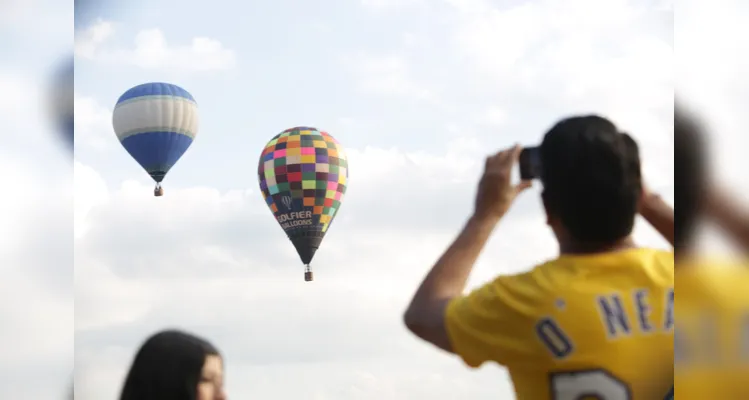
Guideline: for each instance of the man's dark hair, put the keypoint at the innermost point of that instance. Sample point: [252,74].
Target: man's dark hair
[167,367]
[690,175]
[591,177]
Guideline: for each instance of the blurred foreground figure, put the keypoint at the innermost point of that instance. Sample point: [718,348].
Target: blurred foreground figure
[711,341]
[597,322]
[173,365]
[62,103]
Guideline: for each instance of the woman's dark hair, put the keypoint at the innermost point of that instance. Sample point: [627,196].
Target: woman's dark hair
[592,179]
[167,367]
[690,175]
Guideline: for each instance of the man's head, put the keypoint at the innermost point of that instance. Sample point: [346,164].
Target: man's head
[592,182]
[690,176]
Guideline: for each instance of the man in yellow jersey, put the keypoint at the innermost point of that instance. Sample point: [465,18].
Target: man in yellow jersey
[595,323]
[711,340]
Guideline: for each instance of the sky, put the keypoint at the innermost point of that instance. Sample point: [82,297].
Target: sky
[418,91]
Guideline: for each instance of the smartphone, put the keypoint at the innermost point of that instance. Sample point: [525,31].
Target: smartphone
[530,163]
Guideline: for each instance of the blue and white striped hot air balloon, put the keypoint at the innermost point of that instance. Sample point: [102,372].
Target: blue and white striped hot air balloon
[156,123]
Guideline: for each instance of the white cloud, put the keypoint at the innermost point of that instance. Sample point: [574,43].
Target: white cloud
[21,96]
[13,8]
[88,42]
[381,5]
[93,123]
[579,50]
[152,52]
[412,40]
[388,75]
[562,57]
[493,116]
[91,191]
[49,18]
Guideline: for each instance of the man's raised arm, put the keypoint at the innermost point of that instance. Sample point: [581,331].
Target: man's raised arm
[659,214]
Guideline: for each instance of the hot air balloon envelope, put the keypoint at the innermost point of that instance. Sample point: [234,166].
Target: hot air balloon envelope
[303,176]
[156,123]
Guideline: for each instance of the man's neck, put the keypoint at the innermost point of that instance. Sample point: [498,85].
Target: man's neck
[573,248]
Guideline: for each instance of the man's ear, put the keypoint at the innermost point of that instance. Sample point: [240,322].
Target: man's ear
[546,208]
[644,194]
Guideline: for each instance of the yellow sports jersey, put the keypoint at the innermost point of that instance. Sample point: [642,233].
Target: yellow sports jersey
[711,359]
[578,327]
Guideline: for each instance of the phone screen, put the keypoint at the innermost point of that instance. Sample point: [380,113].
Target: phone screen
[530,163]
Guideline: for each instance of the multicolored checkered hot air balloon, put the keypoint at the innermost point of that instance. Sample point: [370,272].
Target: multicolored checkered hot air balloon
[156,123]
[303,176]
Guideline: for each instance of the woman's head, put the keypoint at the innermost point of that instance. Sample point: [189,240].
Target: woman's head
[174,365]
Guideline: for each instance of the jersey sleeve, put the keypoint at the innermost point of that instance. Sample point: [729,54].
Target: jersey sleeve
[495,322]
